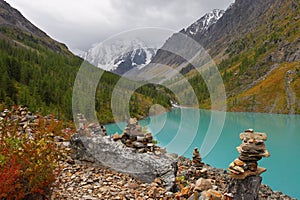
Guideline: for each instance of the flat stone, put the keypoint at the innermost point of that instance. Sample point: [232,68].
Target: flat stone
[132,185]
[133,121]
[202,184]
[150,145]
[116,136]
[253,135]
[237,169]
[140,138]
[211,195]
[246,157]
[185,190]
[138,144]
[238,162]
[252,146]
[142,150]
[247,173]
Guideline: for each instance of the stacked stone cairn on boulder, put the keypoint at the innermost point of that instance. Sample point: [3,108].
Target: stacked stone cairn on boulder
[244,170]
[251,150]
[133,136]
[131,152]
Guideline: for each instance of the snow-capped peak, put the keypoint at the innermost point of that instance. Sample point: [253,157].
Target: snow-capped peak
[205,22]
[120,55]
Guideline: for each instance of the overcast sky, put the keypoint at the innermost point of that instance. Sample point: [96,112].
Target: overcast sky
[79,23]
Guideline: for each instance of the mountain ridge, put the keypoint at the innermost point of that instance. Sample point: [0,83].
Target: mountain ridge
[200,26]
[204,22]
[11,18]
[248,42]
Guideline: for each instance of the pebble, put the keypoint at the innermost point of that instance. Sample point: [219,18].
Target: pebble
[114,186]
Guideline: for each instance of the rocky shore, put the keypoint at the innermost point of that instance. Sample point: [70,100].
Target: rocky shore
[81,176]
[83,180]
[90,179]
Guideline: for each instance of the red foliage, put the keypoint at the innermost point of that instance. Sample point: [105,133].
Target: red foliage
[10,176]
[28,165]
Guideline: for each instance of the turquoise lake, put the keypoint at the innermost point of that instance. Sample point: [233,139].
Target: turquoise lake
[180,131]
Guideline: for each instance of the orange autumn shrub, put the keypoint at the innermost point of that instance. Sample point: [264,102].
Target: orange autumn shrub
[28,162]
[10,180]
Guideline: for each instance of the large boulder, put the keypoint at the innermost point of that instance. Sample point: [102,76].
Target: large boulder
[103,150]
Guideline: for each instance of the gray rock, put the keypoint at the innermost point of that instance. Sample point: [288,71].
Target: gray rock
[138,144]
[202,184]
[104,151]
[245,189]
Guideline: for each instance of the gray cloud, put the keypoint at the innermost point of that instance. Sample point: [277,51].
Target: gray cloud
[79,23]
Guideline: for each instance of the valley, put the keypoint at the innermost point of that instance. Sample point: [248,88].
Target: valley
[63,113]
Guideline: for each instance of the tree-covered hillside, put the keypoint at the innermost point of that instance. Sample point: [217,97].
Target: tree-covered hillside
[38,72]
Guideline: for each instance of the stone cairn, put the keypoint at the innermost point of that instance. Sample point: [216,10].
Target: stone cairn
[197,165]
[134,137]
[196,159]
[91,128]
[244,170]
[251,150]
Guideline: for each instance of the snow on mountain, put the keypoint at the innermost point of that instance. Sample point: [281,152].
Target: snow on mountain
[205,22]
[80,53]
[120,56]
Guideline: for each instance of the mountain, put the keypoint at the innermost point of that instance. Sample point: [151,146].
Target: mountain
[39,72]
[256,46]
[12,19]
[120,56]
[200,27]
[204,22]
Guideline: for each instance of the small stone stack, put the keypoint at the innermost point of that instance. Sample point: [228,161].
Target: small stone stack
[134,137]
[97,129]
[196,159]
[251,150]
[197,169]
[91,128]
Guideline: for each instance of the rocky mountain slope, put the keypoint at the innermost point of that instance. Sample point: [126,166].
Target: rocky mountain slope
[201,25]
[257,49]
[120,56]
[12,19]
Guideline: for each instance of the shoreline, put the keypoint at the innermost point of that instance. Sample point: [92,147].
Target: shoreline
[85,180]
[269,178]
